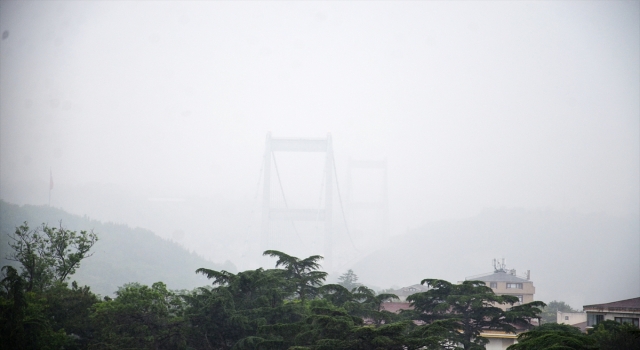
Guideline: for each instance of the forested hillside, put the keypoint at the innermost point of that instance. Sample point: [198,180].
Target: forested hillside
[121,255]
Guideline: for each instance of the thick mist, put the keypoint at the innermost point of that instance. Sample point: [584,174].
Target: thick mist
[154,115]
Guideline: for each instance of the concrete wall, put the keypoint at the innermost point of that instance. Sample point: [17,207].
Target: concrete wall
[527,288]
[527,291]
[499,343]
[571,318]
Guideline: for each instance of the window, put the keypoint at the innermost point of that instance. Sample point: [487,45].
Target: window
[633,321]
[566,318]
[593,320]
[514,285]
[494,285]
[519,298]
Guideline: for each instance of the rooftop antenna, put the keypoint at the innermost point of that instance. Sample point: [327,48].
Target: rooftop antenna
[499,266]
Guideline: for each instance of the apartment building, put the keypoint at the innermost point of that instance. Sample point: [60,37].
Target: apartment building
[505,282]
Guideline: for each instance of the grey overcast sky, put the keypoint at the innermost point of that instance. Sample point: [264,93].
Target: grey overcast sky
[474,104]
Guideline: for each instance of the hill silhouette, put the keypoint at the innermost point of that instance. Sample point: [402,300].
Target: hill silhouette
[577,258]
[122,254]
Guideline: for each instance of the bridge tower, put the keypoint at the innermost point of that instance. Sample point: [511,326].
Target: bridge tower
[270,214]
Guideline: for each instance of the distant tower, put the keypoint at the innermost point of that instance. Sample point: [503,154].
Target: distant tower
[379,208]
[298,214]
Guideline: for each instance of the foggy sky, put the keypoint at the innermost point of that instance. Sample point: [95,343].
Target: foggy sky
[473,105]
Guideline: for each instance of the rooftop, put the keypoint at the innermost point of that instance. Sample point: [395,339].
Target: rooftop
[622,305]
[395,307]
[406,291]
[498,276]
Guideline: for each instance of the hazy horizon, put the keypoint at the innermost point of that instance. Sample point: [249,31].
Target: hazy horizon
[154,114]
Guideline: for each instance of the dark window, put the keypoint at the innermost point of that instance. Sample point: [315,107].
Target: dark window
[633,321]
[494,284]
[593,320]
[566,318]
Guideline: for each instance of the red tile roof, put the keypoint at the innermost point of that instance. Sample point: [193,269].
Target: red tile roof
[396,307]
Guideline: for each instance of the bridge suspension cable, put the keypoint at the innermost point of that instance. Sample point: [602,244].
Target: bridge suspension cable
[253,207]
[344,217]
[295,229]
[320,200]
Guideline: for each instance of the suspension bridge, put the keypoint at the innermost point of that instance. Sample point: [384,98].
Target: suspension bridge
[325,213]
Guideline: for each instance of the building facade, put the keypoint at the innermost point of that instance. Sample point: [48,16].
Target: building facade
[506,282]
[571,318]
[623,311]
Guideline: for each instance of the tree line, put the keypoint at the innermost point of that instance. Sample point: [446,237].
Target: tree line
[287,307]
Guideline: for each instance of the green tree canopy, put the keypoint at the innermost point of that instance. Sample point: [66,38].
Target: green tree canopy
[69,309]
[49,254]
[470,307]
[37,309]
[302,272]
[611,335]
[349,280]
[553,336]
[140,317]
[361,301]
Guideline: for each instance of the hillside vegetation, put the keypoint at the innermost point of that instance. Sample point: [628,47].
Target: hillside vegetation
[121,255]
